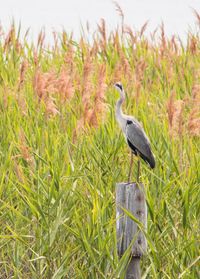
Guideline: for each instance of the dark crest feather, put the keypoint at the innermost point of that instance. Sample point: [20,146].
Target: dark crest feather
[119,85]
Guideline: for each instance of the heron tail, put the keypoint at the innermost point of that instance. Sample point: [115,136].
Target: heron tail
[152,162]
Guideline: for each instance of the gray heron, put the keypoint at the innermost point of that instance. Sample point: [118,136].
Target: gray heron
[134,134]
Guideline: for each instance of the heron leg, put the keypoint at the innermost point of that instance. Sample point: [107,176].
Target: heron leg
[138,174]
[131,163]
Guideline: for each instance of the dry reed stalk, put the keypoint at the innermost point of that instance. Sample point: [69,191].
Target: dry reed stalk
[95,48]
[64,84]
[145,44]
[88,26]
[25,150]
[26,34]
[143,28]
[51,108]
[86,89]
[69,57]
[118,72]
[116,41]
[35,58]
[121,14]
[82,47]
[174,46]
[163,45]
[18,169]
[102,31]
[64,38]
[129,31]
[92,112]
[138,77]
[140,69]
[171,108]
[175,115]
[44,85]
[6,93]
[126,69]
[23,69]
[18,46]
[170,71]
[9,38]
[194,122]
[197,15]
[21,101]
[122,67]
[153,34]
[87,85]
[55,45]
[137,89]
[99,107]
[118,9]
[194,116]
[41,38]
[177,121]
[193,45]
[83,122]
[39,84]
[196,92]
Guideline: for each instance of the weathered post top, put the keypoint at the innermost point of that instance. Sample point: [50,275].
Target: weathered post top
[130,196]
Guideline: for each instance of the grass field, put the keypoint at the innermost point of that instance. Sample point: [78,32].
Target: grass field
[61,152]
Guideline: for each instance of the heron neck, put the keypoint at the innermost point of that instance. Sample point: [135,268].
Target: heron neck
[119,113]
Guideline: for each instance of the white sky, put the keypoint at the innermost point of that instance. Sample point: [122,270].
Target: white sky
[177,15]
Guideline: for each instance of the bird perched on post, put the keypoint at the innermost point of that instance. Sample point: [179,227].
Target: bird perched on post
[134,134]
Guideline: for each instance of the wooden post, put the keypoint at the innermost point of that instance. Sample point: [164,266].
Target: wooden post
[131,197]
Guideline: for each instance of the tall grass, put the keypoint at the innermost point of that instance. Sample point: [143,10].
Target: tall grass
[61,152]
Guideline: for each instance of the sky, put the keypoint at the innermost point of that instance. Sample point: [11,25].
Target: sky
[54,15]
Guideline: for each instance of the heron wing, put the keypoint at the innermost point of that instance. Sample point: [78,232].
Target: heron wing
[139,142]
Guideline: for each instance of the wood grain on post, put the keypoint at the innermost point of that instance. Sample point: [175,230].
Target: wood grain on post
[131,197]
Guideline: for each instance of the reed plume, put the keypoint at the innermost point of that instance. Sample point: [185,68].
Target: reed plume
[194,116]
[9,38]
[25,151]
[23,69]
[44,87]
[99,107]
[175,116]
[102,31]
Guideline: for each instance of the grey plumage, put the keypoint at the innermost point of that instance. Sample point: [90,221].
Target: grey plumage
[139,143]
[134,134]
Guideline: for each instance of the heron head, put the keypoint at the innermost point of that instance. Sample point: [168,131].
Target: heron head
[118,86]
[120,89]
